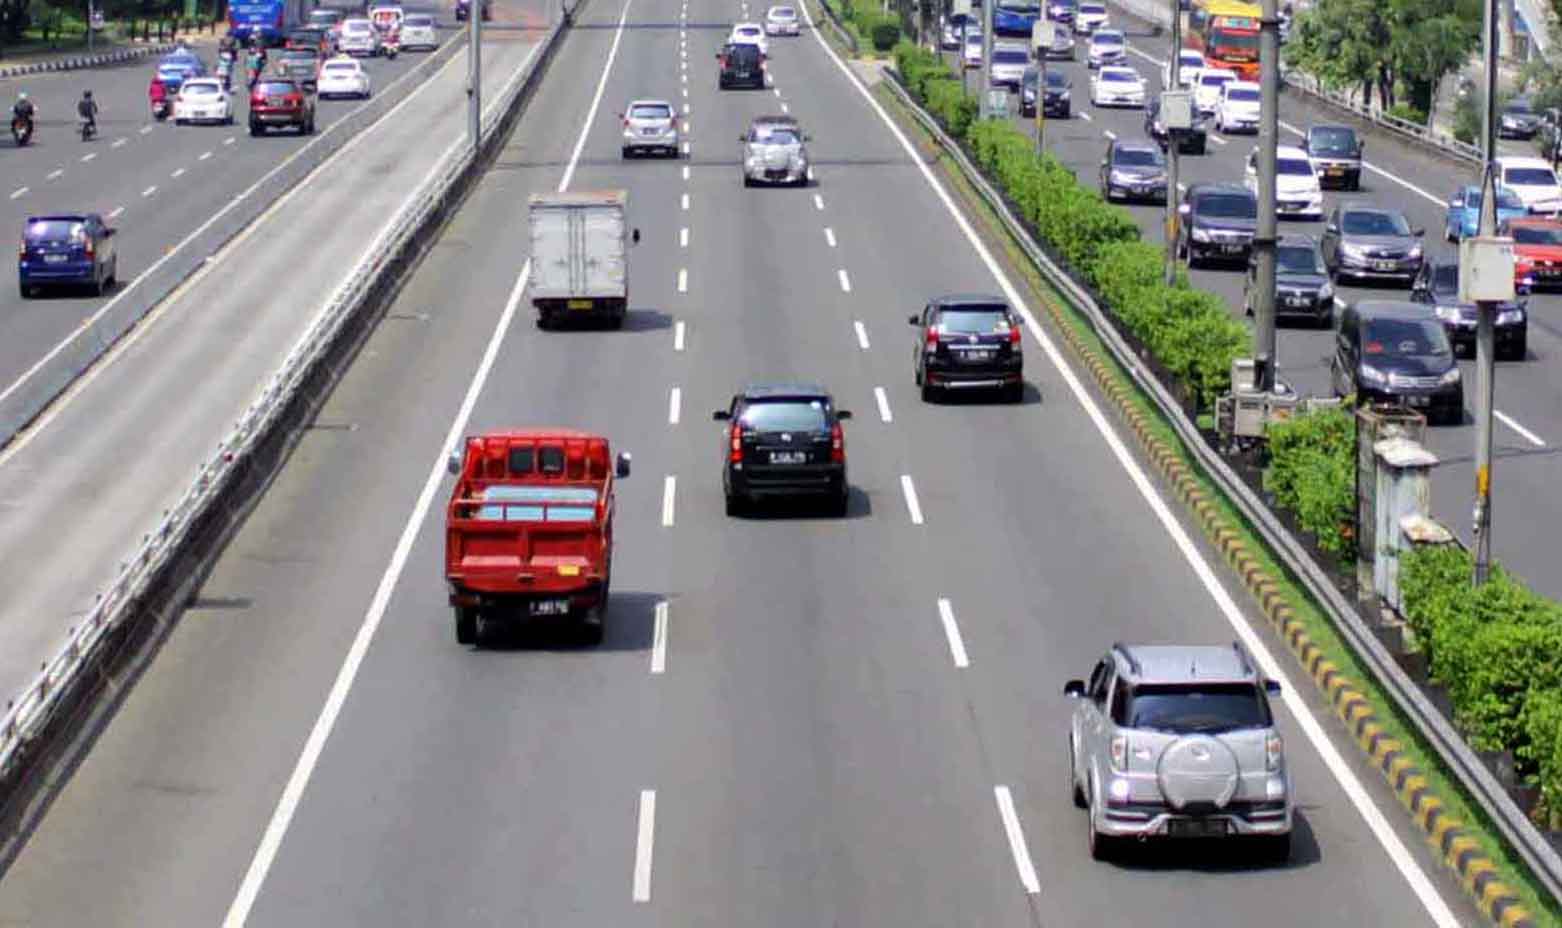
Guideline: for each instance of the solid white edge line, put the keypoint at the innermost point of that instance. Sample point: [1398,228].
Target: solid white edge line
[946,618]
[846,283]
[1410,868]
[674,405]
[862,334]
[659,640]
[1011,828]
[909,491]
[882,398]
[596,100]
[678,329]
[645,838]
[669,497]
[1513,424]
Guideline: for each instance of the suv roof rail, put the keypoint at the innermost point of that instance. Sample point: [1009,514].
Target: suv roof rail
[1133,662]
[1242,658]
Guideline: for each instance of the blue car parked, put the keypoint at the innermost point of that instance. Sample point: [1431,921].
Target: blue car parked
[66,250]
[1464,211]
[1015,17]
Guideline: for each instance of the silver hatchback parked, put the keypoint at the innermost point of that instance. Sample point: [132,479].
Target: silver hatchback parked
[773,152]
[1178,741]
[650,126]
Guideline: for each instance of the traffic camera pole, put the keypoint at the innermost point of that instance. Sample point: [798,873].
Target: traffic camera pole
[1264,240]
[474,87]
[1486,312]
[1175,63]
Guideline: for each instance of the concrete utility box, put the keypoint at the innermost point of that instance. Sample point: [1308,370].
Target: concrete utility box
[1374,424]
[1485,269]
[995,105]
[1177,109]
[1041,37]
[1403,499]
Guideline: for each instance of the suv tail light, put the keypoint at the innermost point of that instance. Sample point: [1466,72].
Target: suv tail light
[736,434]
[931,339]
[1274,752]
[1119,753]
[837,444]
[1014,334]
[87,247]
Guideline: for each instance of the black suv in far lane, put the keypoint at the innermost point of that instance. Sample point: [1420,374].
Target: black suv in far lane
[740,65]
[968,342]
[783,439]
[1216,222]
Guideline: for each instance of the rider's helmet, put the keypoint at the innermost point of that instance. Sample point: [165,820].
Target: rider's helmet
[86,94]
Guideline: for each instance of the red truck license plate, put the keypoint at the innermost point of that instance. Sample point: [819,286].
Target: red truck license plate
[550,607]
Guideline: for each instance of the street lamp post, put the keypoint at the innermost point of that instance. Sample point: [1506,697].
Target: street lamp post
[1264,240]
[1486,311]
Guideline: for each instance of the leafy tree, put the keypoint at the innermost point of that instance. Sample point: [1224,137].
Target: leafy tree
[1387,45]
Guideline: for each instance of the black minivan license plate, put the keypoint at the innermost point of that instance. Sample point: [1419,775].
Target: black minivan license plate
[550,607]
[1196,827]
[788,457]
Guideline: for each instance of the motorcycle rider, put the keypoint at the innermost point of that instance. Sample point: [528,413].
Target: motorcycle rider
[23,108]
[87,109]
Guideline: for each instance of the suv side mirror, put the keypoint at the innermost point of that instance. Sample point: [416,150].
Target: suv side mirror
[1272,687]
[453,463]
[843,414]
[914,320]
[621,467]
[1331,228]
[721,415]
[634,237]
[1418,232]
[108,233]
[1074,689]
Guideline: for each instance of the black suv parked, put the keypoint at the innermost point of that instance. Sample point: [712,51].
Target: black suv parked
[1217,223]
[741,65]
[783,440]
[1388,351]
[968,342]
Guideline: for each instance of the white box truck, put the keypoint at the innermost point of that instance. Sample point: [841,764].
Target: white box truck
[580,256]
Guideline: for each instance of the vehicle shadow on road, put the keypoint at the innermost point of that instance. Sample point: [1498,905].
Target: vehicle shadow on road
[1030,397]
[630,625]
[1228,855]
[647,320]
[858,506]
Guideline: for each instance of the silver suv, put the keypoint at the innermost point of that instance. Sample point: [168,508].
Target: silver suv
[772,152]
[1178,741]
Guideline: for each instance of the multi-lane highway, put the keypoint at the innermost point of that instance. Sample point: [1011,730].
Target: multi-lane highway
[1526,515]
[155,181]
[794,720]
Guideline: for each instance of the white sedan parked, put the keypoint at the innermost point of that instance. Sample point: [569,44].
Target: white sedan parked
[418,31]
[202,99]
[343,77]
[1117,85]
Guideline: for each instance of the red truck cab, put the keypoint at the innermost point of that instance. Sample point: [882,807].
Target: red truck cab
[529,529]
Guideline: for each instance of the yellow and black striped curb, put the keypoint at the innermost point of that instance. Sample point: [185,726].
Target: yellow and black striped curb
[1459,851]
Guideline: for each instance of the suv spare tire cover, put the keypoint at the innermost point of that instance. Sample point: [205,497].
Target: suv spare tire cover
[1197,769]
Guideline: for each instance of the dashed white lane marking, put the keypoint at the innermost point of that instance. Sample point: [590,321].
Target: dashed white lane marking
[1011,827]
[1109,134]
[678,329]
[669,495]
[818,202]
[88,156]
[685,201]
[149,191]
[829,236]
[686,91]
[909,490]
[862,334]
[659,640]
[230,140]
[686,126]
[178,173]
[683,237]
[116,212]
[946,617]
[686,148]
[55,173]
[1085,116]
[846,283]
[674,406]
[645,837]
[882,398]
[1218,140]
[785,109]
[1513,424]
[776,91]
[119,142]
[686,172]
[19,192]
[687,109]
[685,78]
[204,156]
[145,129]
[683,280]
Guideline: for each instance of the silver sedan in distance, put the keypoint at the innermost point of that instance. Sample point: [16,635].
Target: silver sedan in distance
[781,20]
[650,126]
[773,152]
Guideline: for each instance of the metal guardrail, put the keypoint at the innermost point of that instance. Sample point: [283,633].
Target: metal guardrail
[848,38]
[1537,853]
[30,714]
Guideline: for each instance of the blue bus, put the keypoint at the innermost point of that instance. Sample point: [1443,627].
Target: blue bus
[271,19]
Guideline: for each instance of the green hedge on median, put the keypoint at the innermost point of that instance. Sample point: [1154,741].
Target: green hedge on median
[1312,474]
[1189,331]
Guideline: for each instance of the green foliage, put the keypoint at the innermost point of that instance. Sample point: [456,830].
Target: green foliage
[885,32]
[1408,113]
[948,101]
[916,67]
[1406,45]
[1467,119]
[1542,722]
[1312,474]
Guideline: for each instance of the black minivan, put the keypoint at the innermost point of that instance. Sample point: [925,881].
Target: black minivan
[741,65]
[783,440]
[1390,351]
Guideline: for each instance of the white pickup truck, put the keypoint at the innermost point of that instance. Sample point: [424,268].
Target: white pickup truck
[580,256]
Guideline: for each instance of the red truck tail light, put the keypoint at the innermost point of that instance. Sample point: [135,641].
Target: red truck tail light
[837,444]
[736,434]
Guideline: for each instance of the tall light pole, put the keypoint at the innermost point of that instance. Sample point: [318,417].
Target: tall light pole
[1172,144]
[1485,336]
[987,48]
[1264,240]
[474,87]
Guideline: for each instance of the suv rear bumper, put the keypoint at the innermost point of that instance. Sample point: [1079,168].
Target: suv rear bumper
[820,480]
[1140,820]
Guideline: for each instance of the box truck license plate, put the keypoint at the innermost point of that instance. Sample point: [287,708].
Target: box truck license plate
[578,304]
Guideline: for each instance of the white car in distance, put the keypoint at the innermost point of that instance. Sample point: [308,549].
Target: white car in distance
[1190,62]
[343,77]
[1239,107]
[1090,16]
[419,31]
[1298,195]
[1535,183]
[750,34]
[1117,85]
[782,20]
[202,99]
[358,37]
[972,56]
[1206,93]
[1107,46]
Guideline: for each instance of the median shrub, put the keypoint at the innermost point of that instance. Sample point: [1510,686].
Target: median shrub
[1312,474]
[947,100]
[885,32]
[1542,722]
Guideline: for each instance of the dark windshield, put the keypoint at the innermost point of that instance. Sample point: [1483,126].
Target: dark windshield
[1139,157]
[1332,141]
[55,230]
[1374,223]
[1006,56]
[1024,9]
[1294,166]
[1120,77]
[650,111]
[1404,338]
[785,415]
[742,53]
[973,321]
[275,88]
[1506,199]
[1537,235]
[774,136]
[1518,105]
[1244,94]
[1057,80]
[417,20]
[1298,259]
[1229,206]
[1107,38]
[1221,38]
[1529,177]
[1208,707]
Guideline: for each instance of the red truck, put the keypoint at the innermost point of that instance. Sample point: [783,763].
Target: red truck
[529,529]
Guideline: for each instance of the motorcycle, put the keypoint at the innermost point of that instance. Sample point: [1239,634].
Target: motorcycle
[21,129]
[162,108]
[391,45]
[89,129]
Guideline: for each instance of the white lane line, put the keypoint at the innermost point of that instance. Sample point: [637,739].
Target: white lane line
[683,280]
[1513,424]
[909,490]
[829,236]
[204,156]
[119,142]
[1218,140]
[596,100]
[683,237]
[818,202]
[882,399]
[686,172]
[777,91]
[19,192]
[55,173]
[669,496]
[784,108]
[686,148]
[1011,827]
[88,156]
[685,76]
[687,109]
[230,140]
[178,173]
[1376,823]
[145,130]
[686,90]
[685,201]
[149,191]
[1085,116]
[862,334]
[1109,134]
[678,335]
[674,405]
[846,283]
[659,640]
[946,617]
[116,212]
[645,837]
[685,127]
